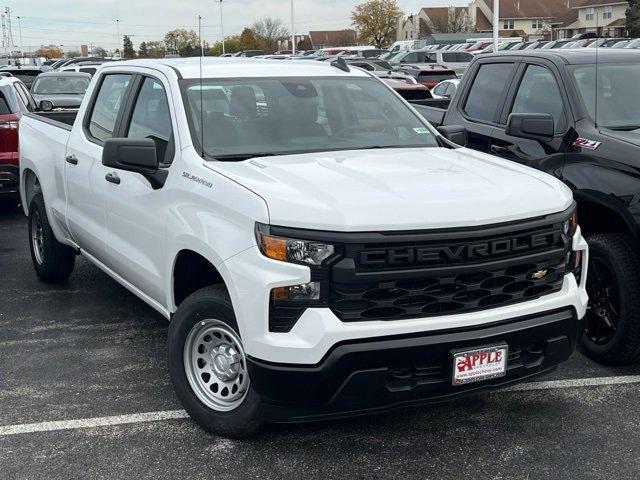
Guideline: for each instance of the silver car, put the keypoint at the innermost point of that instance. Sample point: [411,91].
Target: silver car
[62,89]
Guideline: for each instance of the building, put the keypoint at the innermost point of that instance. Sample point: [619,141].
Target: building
[333,38]
[531,19]
[435,20]
[606,18]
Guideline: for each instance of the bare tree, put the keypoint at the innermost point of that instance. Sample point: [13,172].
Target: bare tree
[456,21]
[269,31]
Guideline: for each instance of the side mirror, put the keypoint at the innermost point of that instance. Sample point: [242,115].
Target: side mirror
[134,155]
[533,126]
[46,105]
[454,133]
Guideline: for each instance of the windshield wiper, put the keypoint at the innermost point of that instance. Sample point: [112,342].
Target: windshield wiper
[238,157]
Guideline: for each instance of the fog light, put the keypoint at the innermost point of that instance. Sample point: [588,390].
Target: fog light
[305,291]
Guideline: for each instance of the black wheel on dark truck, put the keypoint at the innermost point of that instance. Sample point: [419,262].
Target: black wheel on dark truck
[52,260]
[208,366]
[612,332]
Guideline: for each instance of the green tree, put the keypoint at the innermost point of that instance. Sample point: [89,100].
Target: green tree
[155,49]
[143,51]
[183,42]
[377,21]
[231,45]
[127,47]
[633,18]
[268,31]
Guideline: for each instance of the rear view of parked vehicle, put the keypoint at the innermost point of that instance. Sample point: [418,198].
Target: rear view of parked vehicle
[60,89]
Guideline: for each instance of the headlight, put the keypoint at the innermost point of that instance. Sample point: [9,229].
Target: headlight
[291,249]
[571,223]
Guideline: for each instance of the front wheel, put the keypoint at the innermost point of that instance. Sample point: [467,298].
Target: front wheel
[612,334]
[208,365]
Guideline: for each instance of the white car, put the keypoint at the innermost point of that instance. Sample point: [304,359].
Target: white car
[452,60]
[445,89]
[319,249]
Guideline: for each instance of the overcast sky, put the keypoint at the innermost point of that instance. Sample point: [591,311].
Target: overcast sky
[73,22]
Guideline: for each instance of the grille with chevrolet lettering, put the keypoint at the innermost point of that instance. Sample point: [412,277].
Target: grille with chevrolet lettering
[453,272]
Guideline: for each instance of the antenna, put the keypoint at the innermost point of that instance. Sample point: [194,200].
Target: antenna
[595,114]
[201,101]
[341,64]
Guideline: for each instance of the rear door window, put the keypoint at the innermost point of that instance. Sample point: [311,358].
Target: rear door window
[107,105]
[488,91]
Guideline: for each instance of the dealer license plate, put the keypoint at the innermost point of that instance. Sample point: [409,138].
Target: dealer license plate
[480,364]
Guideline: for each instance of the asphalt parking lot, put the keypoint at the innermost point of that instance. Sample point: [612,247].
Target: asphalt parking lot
[89,349]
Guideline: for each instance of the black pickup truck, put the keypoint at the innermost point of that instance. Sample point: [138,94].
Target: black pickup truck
[574,114]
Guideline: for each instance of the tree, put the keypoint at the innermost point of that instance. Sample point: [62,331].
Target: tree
[143,51]
[377,21]
[304,44]
[248,40]
[127,47]
[49,51]
[183,42]
[98,52]
[268,31]
[633,18]
[155,49]
[73,53]
[231,45]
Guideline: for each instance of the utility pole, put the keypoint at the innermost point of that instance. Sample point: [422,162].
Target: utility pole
[20,33]
[496,22]
[200,36]
[118,33]
[222,28]
[293,32]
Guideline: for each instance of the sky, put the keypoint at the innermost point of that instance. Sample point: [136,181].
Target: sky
[71,23]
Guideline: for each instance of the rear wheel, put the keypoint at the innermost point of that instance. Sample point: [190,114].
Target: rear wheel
[612,330]
[208,365]
[52,260]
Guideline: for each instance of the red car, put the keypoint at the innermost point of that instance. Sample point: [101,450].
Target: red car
[15,100]
[408,90]
[429,75]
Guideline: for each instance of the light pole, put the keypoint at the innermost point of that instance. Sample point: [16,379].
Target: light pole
[20,30]
[496,26]
[118,33]
[293,32]
[222,28]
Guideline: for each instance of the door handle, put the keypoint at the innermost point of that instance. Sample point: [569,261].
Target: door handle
[498,150]
[72,159]
[112,177]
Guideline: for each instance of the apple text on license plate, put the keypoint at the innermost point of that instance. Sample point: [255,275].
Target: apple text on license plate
[479,364]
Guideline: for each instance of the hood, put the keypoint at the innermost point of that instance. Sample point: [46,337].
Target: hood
[632,136]
[60,100]
[396,189]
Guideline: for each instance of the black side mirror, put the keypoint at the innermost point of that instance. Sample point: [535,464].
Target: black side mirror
[533,126]
[134,155]
[454,133]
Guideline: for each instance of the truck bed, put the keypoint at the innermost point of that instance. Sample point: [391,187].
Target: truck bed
[432,110]
[61,118]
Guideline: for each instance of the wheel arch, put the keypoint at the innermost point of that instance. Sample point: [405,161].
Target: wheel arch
[192,270]
[30,185]
[600,213]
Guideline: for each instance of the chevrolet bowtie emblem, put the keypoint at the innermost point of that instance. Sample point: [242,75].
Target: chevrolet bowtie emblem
[539,274]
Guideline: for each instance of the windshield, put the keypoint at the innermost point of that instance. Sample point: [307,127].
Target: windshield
[618,102]
[258,117]
[62,85]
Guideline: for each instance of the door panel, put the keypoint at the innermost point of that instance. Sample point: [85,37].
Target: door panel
[135,233]
[84,172]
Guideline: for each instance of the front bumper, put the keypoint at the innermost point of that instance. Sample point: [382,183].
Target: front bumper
[377,375]
[9,179]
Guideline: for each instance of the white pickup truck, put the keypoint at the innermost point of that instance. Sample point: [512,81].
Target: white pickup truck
[319,249]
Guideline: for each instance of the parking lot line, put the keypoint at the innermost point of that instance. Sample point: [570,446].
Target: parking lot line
[181,414]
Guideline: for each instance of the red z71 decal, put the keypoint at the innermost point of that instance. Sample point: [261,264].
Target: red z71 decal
[588,144]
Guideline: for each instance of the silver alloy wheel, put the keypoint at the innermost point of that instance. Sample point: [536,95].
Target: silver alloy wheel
[37,237]
[215,364]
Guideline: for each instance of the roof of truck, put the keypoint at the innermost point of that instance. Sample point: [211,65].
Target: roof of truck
[576,56]
[230,67]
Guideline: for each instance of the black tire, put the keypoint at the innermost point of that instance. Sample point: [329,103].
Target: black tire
[55,262]
[613,284]
[213,302]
